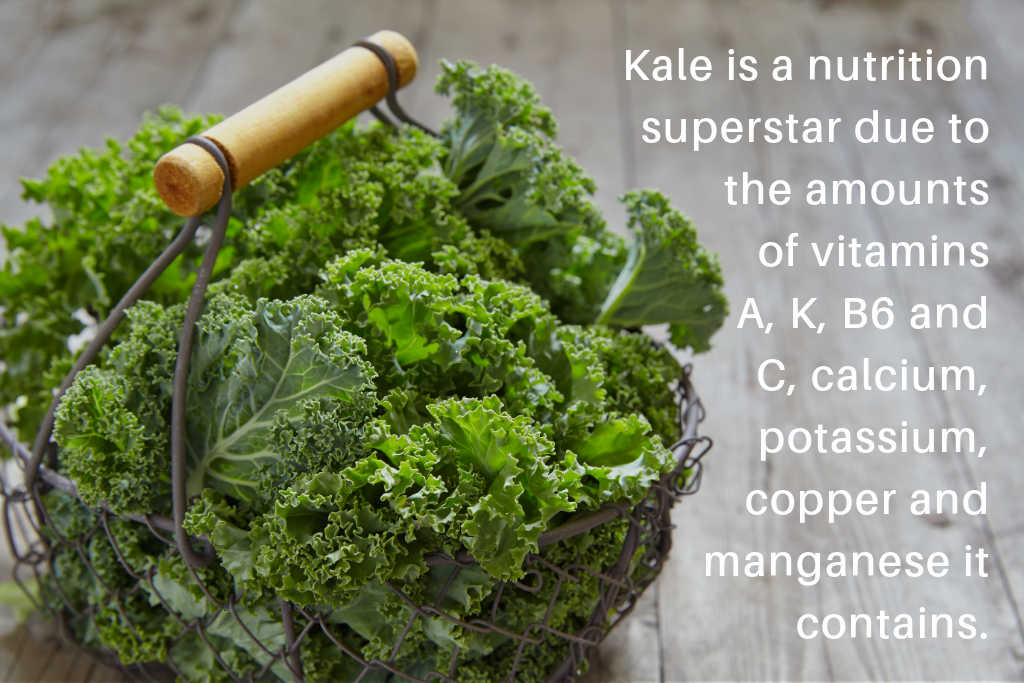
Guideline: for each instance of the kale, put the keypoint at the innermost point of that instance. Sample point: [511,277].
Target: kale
[410,345]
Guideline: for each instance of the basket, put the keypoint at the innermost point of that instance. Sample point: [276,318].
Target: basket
[516,620]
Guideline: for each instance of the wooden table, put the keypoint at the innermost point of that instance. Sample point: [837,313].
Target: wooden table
[74,72]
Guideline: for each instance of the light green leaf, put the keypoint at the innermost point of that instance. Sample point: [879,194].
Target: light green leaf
[668,277]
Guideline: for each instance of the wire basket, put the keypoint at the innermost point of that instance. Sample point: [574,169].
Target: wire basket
[554,574]
[542,627]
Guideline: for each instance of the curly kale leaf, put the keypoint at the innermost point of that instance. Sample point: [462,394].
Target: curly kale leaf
[331,533]
[411,345]
[97,580]
[199,660]
[511,178]
[436,333]
[621,458]
[368,188]
[398,307]
[637,373]
[211,516]
[517,184]
[114,442]
[279,370]
[488,655]
[108,225]
[112,423]
[486,100]
[274,388]
[669,277]
[502,474]
[473,476]
[258,632]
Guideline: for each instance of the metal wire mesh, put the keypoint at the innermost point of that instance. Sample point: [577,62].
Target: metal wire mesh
[586,576]
[47,554]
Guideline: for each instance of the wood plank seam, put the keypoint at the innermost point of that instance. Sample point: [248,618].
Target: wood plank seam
[943,401]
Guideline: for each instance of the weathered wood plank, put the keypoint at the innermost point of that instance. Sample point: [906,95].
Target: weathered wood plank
[700,618]
[73,73]
[103,65]
[11,644]
[631,652]
[23,21]
[701,629]
[996,161]
[42,96]
[31,653]
[995,32]
[270,43]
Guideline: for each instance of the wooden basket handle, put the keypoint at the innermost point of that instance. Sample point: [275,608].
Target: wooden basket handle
[281,124]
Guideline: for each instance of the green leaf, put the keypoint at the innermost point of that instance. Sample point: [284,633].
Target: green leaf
[668,277]
[332,533]
[398,356]
[522,491]
[255,630]
[113,441]
[621,459]
[268,366]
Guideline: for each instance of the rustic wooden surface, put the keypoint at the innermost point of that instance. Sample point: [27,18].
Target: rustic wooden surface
[72,73]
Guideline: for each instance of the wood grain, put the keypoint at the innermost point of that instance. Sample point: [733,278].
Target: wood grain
[72,73]
[283,123]
[705,644]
